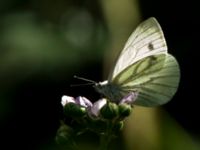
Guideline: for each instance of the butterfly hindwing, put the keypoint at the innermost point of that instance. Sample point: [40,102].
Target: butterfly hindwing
[155,78]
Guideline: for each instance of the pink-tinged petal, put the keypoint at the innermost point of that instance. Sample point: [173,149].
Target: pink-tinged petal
[67,99]
[95,109]
[83,101]
[130,98]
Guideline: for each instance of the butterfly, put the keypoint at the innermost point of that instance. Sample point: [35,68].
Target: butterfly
[144,67]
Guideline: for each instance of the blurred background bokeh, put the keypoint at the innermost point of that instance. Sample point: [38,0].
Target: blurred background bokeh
[44,43]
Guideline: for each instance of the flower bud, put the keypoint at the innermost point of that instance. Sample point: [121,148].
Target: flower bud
[118,126]
[74,110]
[64,134]
[109,111]
[124,110]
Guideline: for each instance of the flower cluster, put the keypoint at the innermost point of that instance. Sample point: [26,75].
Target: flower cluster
[102,117]
[101,109]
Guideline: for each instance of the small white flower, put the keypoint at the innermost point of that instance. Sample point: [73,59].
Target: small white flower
[67,99]
[95,109]
[83,101]
[130,98]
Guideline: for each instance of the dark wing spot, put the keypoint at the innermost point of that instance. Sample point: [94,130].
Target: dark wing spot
[153,60]
[150,46]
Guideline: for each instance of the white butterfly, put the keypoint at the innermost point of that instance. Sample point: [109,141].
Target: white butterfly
[145,67]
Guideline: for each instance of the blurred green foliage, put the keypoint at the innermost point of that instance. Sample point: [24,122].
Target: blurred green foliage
[42,44]
[31,45]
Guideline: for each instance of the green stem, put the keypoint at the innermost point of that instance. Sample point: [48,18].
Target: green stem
[106,137]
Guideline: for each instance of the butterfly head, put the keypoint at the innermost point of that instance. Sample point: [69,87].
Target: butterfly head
[100,87]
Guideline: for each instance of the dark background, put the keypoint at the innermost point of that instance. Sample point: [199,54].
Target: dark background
[39,56]
[180,22]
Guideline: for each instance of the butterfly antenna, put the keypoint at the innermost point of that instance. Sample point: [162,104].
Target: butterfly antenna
[84,79]
[75,85]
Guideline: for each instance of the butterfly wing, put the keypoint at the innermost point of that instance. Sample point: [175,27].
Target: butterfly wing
[155,78]
[144,66]
[146,40]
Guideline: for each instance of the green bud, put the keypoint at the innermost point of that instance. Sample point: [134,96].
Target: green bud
[109,111]
[74,110]
[64,135]
[118,126]
[124,110]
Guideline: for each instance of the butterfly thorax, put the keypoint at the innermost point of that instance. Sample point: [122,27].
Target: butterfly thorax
[111,91]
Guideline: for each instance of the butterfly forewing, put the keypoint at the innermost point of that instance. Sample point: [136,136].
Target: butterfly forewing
[146,40]
[155,78]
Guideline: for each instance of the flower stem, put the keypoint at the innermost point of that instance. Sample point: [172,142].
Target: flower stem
[106,137]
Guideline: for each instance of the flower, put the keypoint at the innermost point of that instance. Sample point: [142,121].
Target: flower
[93,110]
[130,98]
[82,105]
[84,102]
[67,99]
[81,101]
